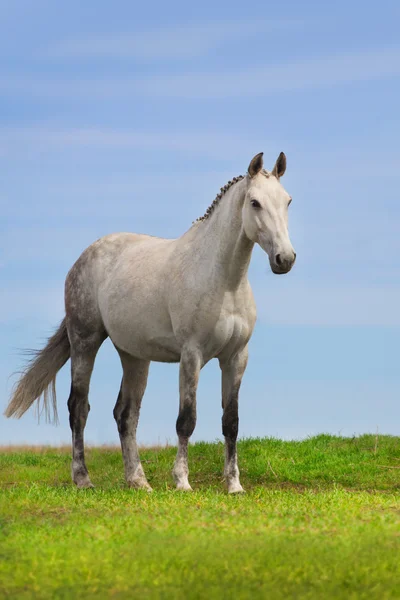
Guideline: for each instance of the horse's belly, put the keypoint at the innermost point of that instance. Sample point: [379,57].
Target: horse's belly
[142,330]
[156,349]
[146,344]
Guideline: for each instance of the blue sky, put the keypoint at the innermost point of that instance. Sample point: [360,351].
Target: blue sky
[130,116]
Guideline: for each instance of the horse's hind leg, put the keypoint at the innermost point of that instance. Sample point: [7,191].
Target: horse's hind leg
[126,414]
[83,354]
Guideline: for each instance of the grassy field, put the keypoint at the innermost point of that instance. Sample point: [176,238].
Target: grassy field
[320,519]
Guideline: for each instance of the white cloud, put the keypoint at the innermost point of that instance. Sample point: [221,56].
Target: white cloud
[180,42]
[270,79]
[42,137]
[260,81]
[235,144]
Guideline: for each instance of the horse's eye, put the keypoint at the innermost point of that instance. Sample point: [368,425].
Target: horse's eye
[255,204]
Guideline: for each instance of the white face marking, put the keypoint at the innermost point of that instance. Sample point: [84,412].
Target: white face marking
[265,220]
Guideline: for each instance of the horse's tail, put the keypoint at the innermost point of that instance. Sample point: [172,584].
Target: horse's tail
[39,377]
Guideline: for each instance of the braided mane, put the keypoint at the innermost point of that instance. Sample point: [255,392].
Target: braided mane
[218,197]
[222,192]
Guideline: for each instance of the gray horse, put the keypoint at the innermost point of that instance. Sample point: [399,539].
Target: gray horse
[186,300]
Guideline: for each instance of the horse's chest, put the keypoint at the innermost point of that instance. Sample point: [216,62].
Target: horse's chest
[231,332]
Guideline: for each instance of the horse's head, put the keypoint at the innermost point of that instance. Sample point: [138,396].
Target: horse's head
[265,213]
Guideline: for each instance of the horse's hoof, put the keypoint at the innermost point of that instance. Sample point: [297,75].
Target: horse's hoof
[184,487]
[140,484]
[235,488]
[85,485]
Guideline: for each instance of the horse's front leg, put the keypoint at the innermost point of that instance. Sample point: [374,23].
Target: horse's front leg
[232,373]
[190,366]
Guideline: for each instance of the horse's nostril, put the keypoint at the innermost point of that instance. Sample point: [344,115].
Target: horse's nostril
[294,255]
[278,260]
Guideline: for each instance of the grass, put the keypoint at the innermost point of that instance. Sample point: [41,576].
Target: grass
[320,519]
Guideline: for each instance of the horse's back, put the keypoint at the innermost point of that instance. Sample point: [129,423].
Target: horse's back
[106,264]
[119,285]
[110,251]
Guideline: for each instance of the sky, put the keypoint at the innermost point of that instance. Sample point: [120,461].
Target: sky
[130,116]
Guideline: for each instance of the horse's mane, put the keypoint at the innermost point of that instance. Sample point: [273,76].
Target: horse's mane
[222,192]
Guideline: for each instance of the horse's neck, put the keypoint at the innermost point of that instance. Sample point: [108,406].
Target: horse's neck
[221,241]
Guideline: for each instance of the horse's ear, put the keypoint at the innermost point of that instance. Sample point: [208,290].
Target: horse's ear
[256,164]
[280,166]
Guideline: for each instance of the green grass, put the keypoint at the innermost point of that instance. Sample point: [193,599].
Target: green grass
[320,519]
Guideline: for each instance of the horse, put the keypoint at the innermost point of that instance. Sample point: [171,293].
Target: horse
[185,300]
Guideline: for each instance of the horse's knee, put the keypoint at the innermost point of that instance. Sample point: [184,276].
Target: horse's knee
[230,421]
[78,407]
[186,421]
[124,421]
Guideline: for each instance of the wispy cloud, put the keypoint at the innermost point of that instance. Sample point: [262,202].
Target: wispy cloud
[196,142]
[238,144]
[260,81]
[182,42]
[270,79]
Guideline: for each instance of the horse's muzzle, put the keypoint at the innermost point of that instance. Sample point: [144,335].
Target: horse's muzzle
[283,263]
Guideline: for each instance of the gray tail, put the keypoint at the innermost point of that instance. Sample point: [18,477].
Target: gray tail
[39,377]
